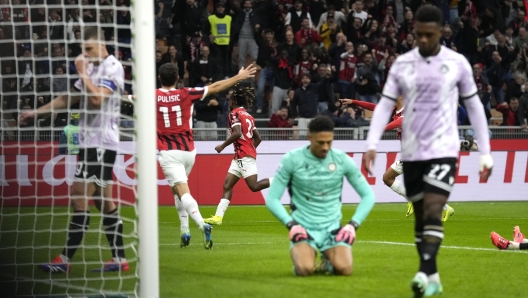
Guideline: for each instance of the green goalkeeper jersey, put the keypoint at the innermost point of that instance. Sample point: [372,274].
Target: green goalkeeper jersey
[315,187]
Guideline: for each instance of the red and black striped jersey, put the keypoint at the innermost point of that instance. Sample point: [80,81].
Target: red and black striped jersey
[244,145]
[174,117]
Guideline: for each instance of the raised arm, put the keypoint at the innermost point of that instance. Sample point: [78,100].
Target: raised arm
[59,103]
[367,105]
[394,124]
[243,74]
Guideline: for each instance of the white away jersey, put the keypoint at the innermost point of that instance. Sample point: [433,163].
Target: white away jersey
[430,88]
[99,127]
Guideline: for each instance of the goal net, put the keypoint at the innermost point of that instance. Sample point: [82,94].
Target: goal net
[39,166]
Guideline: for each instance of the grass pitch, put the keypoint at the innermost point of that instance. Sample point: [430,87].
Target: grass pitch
[250,257]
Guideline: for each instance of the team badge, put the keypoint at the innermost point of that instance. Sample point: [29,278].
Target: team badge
[444,68]
[332,167]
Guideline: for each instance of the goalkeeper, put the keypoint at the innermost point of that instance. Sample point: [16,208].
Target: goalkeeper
[314,175]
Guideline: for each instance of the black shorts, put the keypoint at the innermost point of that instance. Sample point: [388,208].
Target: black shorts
[95,165]
[429,176]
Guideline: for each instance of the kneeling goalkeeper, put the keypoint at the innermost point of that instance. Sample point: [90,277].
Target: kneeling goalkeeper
[314,177]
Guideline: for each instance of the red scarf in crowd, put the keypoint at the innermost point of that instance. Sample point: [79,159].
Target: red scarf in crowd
[283,64]
[307,35]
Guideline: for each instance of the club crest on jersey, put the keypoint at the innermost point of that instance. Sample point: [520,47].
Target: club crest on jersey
[332,167]
[444,68]
[278,168]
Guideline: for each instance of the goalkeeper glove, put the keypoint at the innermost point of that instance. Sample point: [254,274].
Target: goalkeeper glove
[347,233]
[486,164]
[297,232]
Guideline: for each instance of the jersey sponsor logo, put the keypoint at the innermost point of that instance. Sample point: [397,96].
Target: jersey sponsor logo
[332,167]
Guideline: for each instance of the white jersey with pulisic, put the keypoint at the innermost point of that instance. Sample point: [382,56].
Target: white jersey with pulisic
[431,88]
[99,126]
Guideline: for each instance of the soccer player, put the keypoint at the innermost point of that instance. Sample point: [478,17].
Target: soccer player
[314,177]
[69,138]
[102,84]
[176,144]
[431,78]
[518,243]
[245,139]
[396,169]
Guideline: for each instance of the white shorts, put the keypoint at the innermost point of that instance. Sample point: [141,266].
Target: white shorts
[245,167]
[398,166]
[176,165]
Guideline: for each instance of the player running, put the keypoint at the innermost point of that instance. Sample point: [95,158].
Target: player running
[314,177]
[432,79]
[245,139]
[396,169]
[102,84]
[176,144]
[518,243]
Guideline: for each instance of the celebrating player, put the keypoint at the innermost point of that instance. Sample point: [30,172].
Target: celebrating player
[314,176]
[518,243]
[102,82]
[396,169]
[245,138]
[431,78]
[176,144]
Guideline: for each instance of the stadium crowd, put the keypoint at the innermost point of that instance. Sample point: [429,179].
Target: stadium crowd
[309,52]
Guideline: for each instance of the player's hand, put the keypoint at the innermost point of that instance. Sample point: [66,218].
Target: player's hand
[26,118]
[486,165]
[81,64]
[249,72]
[219,148]
[346,101]
[346,234]
[369,157]
[297,232]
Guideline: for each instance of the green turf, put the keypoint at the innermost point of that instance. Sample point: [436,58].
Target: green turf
[250,256]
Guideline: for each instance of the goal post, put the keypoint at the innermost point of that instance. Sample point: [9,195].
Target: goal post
[145,110]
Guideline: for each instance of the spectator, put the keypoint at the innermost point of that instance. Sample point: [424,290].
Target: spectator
[244,27]
[204,69]
[123,21]
[158,14]
[267,51]
[328,31]
[283,80]
[192,50]
[389,17]
[468,39]
[206,116]
[354,29]
[521,41]
[296,16]
[159,63]
[6,45]
[341,115]
[280,118]
[380,48]
[305,102]
[55,27]
[19,17]
[371,35]
[367,85]
[304,66]
[358,12]
[89,15]
[339,18]
[25,69]
[347,70]
[481,80]
[496,75]
[219,32]
[74,20]
[408,25]
[385,65]
[400,11]
[408,44]
[190,14]
[522,112]
[336,49]
[509,112]
[447,39]
[516,87]
[326,91]
[172,56]
[60,81]
[316,9]
[38,17]
[293,48]
[306,36]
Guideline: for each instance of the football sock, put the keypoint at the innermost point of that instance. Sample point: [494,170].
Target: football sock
[191,206]
[222,207]
[270,179]
[182,214]
[432,238]
[113,226]
[418,241]
[523,246]
[446,207]
[398,187]
[78,225]
[435,277]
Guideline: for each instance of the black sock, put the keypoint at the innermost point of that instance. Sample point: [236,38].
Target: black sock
[432,238]
[523,246]
[418,225]
[113,226]
[78,225]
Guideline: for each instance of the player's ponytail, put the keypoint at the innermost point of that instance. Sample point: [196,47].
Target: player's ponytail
[243,96]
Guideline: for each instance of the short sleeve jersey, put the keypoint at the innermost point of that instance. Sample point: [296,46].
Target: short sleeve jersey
[174,117]
[244,145]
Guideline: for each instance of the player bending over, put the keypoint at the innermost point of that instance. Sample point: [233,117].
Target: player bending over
[176,144]
[396,169]
[518,243]
[102,84]
[314,177]
[432,79]
[245,139]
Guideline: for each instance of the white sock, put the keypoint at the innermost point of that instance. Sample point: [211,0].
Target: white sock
[191,206]
[446,207]
[421,276]
[398,188]
[182,214]
[222,207]
[64,258]
[119,260]
[435,277]
[525,240]
[270,179]
[513,246]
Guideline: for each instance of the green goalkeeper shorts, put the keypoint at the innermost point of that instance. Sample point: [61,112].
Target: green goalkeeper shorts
[323,239]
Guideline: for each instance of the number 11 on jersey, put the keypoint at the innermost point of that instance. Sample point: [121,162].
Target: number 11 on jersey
[166,118]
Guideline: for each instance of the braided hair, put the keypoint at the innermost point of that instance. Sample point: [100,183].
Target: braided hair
[243,96]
